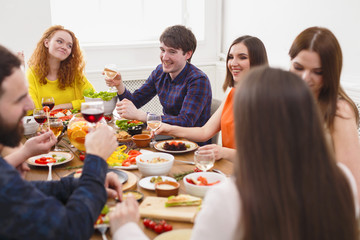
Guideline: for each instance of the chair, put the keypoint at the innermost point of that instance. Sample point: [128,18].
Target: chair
[215,103]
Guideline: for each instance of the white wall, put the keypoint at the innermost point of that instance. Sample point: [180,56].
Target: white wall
[275,22]
[278,22]
[22,23]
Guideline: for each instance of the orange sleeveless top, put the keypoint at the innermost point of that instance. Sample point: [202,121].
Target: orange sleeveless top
[227,121]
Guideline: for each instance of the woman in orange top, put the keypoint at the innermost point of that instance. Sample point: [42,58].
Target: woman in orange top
[244,52]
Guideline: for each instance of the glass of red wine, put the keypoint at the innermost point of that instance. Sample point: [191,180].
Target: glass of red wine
[40,117]
[48,101]
[93,112]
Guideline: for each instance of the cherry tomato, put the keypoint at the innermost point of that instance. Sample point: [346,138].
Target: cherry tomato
[162,222]
[167,227]
[82,157]
[152,224]
[46,109]
[158,228]
[146,222]
[197,170]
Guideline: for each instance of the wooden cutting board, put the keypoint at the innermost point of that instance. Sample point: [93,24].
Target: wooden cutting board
[154,207]
[131,182]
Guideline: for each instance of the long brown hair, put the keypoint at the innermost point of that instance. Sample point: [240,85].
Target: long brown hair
[323,42]
[288,180]
[72,67]
[257,56]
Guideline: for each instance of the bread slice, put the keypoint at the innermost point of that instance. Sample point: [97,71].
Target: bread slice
[182,200]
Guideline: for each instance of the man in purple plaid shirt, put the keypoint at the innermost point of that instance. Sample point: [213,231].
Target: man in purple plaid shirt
[184,90]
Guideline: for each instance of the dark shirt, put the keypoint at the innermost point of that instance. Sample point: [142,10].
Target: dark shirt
[65,209]
[186,100]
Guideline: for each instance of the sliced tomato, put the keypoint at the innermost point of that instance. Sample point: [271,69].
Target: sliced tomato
[99,220]
[65,118]
[134,153]
[213,183]
[45,160]
[134,121]
[203,180]
[190,181]
[126,164]
[131,159]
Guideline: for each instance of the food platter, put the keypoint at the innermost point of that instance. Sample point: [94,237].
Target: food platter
[145,182]
[58,155]
[192,146]
[131,167]
[63,114]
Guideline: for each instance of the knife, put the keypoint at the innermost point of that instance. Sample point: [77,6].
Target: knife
[187,162]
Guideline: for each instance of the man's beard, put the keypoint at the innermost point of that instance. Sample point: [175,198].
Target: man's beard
[10,135]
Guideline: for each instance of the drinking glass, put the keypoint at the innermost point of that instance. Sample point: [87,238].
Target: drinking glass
[56,126]
[153,122]
[40,117]
[92,111]
[204,159]
[111,70]
[48,101]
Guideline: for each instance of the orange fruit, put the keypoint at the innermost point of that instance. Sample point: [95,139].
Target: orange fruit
[78,136]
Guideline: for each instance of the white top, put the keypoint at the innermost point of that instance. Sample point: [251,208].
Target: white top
[220,213]
[221,210]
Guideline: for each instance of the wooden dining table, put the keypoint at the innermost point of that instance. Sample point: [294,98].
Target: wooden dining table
[59,171]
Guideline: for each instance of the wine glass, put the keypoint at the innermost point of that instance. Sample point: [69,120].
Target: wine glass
[204,159]
[92,111]
[40,117]
[111,70]
[56,126]
[48,101]
[153,122]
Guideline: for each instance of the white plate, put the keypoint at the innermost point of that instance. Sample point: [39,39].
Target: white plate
[67,155]
[145,182]
[131,167]
[160,146]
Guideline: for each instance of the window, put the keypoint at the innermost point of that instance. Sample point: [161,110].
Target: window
[116,22]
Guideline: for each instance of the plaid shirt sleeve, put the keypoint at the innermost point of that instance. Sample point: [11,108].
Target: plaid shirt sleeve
[33,210]
[145,93]
[198,98]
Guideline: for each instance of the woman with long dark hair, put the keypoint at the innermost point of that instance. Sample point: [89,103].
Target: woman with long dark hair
[287,184]
[317,58]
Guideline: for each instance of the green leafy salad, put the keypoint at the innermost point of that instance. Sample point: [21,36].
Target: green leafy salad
[106,96]
[125,124]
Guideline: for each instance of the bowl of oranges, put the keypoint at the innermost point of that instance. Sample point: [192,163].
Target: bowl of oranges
[77,129]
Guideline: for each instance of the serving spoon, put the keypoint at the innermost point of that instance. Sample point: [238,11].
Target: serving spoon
[50,172]
[102,229]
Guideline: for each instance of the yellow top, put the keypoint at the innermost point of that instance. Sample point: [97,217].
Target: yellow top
[73,94]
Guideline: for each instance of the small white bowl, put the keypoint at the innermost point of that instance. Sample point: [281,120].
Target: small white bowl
[30,125]
[109,106]
[200,191]
[154,169]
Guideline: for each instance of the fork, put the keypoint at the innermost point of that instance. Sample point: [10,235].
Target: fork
[102,229]
[50,172]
